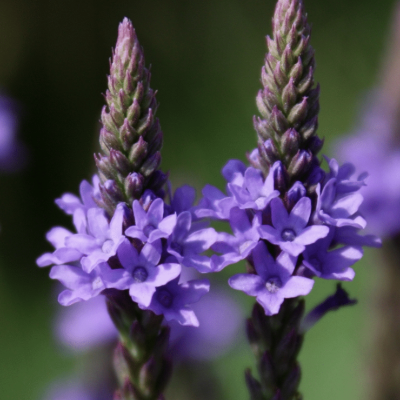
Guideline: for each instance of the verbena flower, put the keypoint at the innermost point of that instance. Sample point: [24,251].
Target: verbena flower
[274,280]
[128,237]
[173,299]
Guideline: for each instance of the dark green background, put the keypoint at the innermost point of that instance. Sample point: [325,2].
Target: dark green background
[206,59]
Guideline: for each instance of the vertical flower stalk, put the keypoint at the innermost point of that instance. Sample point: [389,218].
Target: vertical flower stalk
[291,220]
[131,139]
[130,245]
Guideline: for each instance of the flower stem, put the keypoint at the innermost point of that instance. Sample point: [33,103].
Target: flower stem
[276,341]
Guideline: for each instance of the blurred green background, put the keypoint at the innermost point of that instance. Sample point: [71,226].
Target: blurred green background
[206,58]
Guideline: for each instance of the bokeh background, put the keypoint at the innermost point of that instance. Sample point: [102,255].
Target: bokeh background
[206,58]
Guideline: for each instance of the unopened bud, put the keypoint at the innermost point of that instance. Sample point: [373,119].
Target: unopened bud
[138,152]
[281,178]
[151,164]
[134,185]
[119,162]
[298,112]
[300,163]
[290,142]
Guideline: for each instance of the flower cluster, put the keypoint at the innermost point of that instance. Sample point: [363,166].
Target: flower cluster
[290,219]
[141,249]
[287,239]
[373,145]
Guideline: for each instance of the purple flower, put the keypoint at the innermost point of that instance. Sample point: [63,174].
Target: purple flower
[183,199]
[290,231]
[102,238]
[342,174]
[150,225]
[348,235]
[237,247]
[246,188]
[334,264]
[76,389]
[82,285]
[337,209]
[173,299]
[220,318]
[373,147]
[63,254]
[253,191]
[96,241]
[69,202]
[214,204]
[187,245]
[142,274]
[85,325]
[274,280]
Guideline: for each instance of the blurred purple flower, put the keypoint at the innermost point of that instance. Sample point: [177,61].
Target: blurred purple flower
[85,325]
[13,153]
[75,389]
[220,318]
[372,146]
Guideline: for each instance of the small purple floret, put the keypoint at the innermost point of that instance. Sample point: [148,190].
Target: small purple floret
[274,280]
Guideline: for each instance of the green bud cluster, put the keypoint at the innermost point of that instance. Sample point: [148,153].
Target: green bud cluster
[289,101]
[131,137]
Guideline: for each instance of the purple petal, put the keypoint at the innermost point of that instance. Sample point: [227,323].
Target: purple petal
[185,317]
[300,213]
[136,232]
[183,199]
[347,205]
[167,225]
[142,293]
[116,222]
[279,214]
[233,171]
[200,241]
[269,233]
[149,255]
[311,234]
[200,263]
[254,182]
[139,214]
[156,211]
[86,192]
[270,302]
[97,222]
[60,256]
[293,248]
[166,273]
[84,243]
[127,255]
[56,236]
[192,291]
[296,286]
[247,283]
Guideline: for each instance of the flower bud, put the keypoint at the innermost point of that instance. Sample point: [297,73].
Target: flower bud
[300,163]
[290,142]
